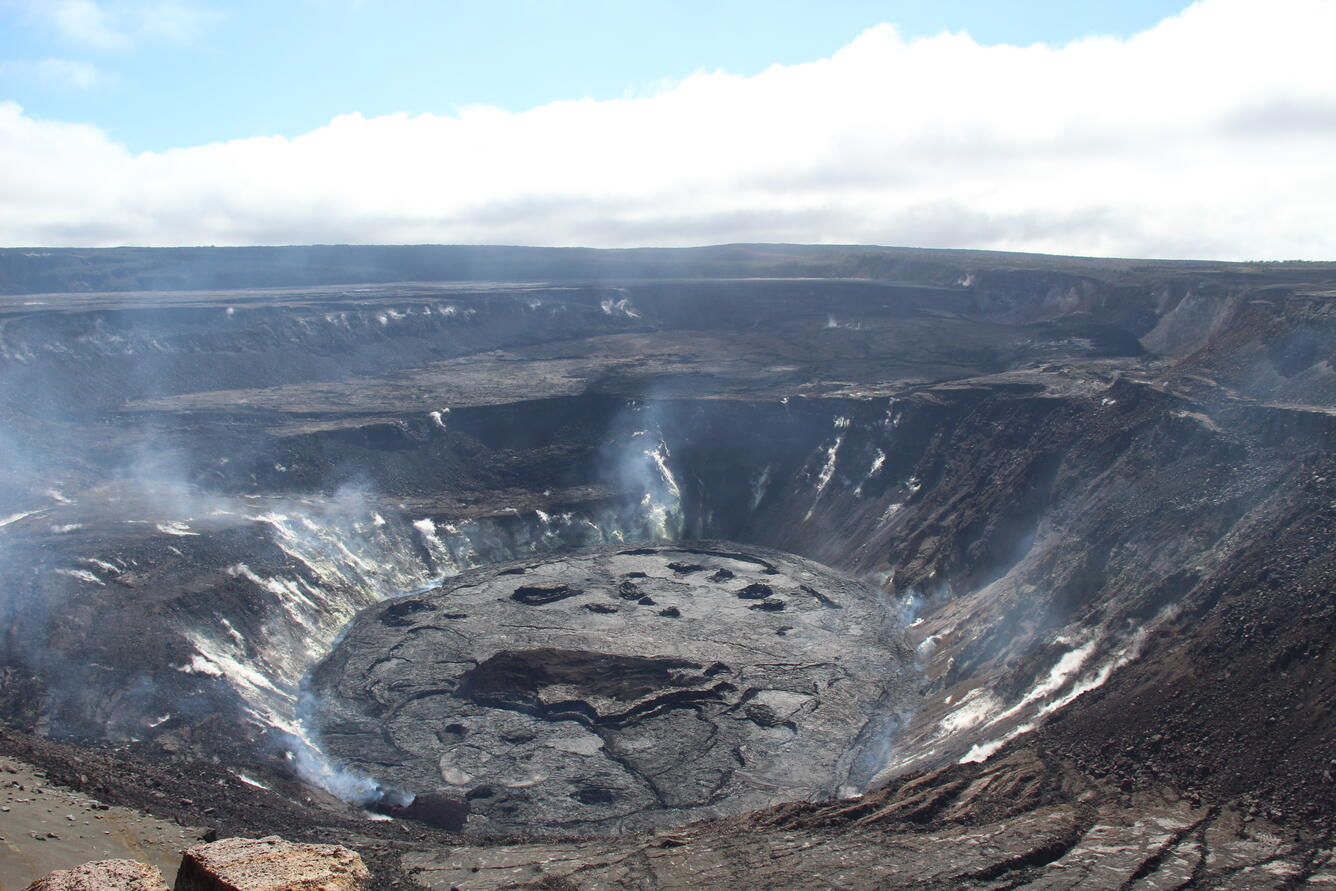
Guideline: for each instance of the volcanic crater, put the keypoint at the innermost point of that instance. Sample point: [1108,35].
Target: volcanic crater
[895,568]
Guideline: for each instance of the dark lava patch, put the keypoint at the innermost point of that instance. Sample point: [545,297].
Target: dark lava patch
[537,595]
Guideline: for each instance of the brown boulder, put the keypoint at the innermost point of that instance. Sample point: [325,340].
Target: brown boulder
[102,875]
[271,864]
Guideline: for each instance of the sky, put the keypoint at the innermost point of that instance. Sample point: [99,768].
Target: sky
[1158,129]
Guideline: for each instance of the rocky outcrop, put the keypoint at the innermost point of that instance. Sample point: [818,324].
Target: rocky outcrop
[619,689]
[103,875]
[233,864]
[271,864]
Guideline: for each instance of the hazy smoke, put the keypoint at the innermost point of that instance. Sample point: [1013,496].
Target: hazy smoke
[318,769]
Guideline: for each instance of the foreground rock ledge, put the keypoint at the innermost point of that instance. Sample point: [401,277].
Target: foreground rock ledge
[271,864]
[103,875]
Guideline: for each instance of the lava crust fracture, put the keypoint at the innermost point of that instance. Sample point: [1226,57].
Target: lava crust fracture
[621,688]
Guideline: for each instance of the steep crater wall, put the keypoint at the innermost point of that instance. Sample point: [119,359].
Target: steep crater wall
[1051,512]
[1034,533]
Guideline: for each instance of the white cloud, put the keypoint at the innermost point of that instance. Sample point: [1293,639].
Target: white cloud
[86,23]
[83,21]
[173,22]
[1210,135]
[119,24]
[54,72]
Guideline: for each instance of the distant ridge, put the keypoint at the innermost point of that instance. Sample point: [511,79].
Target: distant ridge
[61,270]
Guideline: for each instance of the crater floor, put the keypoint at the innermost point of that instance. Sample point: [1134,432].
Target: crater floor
[619,689]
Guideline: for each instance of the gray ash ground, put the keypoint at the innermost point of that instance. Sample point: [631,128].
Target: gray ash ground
[620,689]
[188,801]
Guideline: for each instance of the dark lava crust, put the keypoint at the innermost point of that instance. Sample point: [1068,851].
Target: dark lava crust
[620,688]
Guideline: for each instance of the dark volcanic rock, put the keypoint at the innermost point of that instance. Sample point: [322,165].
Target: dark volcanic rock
[573,718]
[756,591]
[537,595]
[401,613]
[435,809]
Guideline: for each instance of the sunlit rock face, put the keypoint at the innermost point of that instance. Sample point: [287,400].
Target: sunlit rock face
[620,688]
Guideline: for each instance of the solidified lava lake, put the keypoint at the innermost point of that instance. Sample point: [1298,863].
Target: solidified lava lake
[620,688]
